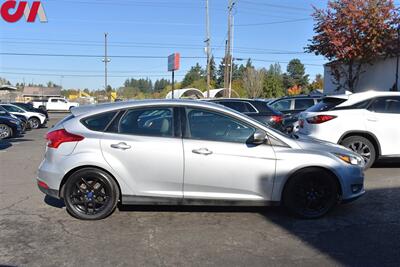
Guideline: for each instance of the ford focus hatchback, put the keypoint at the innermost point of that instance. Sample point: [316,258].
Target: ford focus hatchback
[190,152]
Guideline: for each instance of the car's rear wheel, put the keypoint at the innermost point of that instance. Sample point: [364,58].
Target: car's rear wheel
[5,131]
[34,122]
[311,193]
[90,194]
[363,147]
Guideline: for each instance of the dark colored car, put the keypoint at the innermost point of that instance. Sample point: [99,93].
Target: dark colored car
[255,108]
[24,122]
[9,126]
[292,106]
[29,107]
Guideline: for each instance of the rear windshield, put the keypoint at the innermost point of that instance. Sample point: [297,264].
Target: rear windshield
[326,104]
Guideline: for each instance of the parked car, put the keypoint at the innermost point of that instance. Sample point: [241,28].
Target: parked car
[291,106]
[29,107]
[9,126]
[193,153]
[255,108]
[55,104]
[35,119]
[367,123]
[24,122]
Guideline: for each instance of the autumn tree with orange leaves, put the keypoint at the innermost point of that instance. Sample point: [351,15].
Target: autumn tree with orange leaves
[352,33]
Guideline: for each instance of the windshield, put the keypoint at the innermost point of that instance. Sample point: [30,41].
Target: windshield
[327,103]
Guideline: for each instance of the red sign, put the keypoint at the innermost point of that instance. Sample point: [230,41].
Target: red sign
[12,11]
[174,62]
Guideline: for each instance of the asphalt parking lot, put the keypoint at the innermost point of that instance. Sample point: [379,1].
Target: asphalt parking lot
[37,231]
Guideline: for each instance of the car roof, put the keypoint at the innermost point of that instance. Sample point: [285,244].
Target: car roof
[98,108]
[358,97]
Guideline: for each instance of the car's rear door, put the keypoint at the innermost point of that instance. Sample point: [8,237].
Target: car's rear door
[220,163]
[143,146]
[382,119]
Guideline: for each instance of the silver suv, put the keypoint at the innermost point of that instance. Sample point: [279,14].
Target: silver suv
[190,152]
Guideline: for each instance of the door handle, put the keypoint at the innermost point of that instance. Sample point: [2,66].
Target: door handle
[202,151]
[122,146]
[372,119]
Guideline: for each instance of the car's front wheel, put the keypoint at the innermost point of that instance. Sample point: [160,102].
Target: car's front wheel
[34,123]
[363,147]
[5,131]
[311,193]
[90,194]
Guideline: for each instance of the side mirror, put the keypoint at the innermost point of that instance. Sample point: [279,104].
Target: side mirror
[259,137]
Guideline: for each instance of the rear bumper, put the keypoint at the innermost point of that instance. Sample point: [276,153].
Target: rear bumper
[50,192]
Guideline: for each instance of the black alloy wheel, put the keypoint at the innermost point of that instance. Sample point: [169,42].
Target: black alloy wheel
[91,194]
[311,193]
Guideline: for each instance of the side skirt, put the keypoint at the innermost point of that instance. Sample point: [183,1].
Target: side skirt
[145,200]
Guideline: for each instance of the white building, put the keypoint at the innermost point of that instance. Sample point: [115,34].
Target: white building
[379,76]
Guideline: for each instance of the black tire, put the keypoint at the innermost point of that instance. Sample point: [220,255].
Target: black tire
[363,147]
[90,194]
[311,193]
[35,123]
[5,131]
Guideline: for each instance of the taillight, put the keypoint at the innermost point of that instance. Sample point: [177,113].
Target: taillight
[320,119]
[57,137]
[277,118]
[301,123]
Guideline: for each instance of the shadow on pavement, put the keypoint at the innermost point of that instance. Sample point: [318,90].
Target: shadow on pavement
[387,163]
[4,144]
[362,233]
[54,202]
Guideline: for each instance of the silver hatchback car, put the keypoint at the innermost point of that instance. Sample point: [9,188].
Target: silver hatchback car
[190,152]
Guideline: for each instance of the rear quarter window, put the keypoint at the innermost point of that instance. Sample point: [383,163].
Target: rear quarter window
[326,104]
[98,122]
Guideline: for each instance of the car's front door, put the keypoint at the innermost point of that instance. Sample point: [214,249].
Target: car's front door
[382,119]
[220,163]
[141,147]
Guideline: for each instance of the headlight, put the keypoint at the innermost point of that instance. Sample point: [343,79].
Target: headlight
[353,160]
[14,121]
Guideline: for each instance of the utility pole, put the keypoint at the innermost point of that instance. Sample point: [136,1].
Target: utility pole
[397,59]
[105,60]
[208,49]
[228,56]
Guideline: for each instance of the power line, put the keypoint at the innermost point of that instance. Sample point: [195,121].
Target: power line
[80,75]
[273,22]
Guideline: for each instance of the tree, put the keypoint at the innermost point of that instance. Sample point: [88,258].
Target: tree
[213,70]
[318,83]
[195,73]
[352,33]
[295,74]
[294,90]
[159,85]
[273,82]
[253,82]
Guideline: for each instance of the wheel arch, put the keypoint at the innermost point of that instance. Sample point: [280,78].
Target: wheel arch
[70,172]
[291,175]
[370,136]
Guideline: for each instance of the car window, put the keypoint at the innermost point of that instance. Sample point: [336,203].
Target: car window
[326,104]
[54,100]
[386,105]
[303,104]
[206,125]
[282,105]
[236,105]
[99,122]
[250,108]
[13,109]
[148,122]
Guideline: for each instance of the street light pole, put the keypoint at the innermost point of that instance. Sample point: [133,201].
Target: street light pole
[208,49]
[105,60]
[396,87]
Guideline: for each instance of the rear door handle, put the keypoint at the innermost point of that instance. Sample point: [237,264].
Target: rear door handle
[122,146]
[202,151]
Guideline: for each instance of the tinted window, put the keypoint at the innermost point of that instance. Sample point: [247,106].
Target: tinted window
[149,122]
[282,105]
[12,109]
[98,122]
[326,104]
[238,106]
[386,105]
[303,104]
[54,100]
[207,125]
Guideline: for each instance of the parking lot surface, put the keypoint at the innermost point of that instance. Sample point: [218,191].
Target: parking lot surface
[37,231]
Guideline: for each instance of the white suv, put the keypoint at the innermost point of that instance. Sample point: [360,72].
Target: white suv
[367,123]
